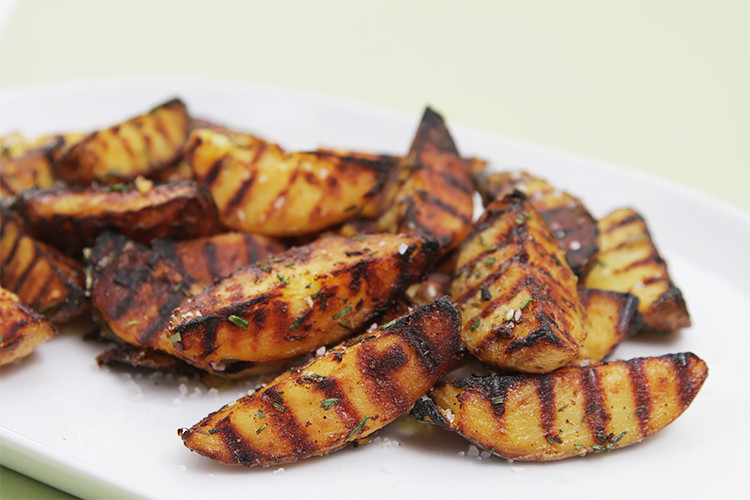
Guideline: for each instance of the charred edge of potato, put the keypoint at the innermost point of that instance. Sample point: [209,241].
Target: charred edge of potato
[628,261]
[138,146]
[299,300]
[570,412]
[32,170]
[44,279]
[608,318]
[434,195]
[21,330]
[566,215]
[344,395]
[72,218]
[517,295]
[212,257]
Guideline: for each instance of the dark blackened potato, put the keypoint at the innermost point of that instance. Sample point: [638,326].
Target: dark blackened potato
[260,188]
[44,279]
[567,217]
[434,196]
[569,412]
[344,395]
[139,146]
[517,295]
[299,300]
[72,218]
[628,261]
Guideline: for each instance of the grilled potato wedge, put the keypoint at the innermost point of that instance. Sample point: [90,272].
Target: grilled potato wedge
[570,412]
[212,257]
[608,319]
[259,188]
[72,218]
[304,298]
[32,170]
[138,146]
[44,279]
[567,217]
[628,261]
[517,295]
[344,395]
[21,330]
[435,193]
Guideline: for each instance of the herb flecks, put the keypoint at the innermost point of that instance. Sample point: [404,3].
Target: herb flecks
[497,400]
[357,429]
[475,325]
[242,323]
[260,429]
[329,403]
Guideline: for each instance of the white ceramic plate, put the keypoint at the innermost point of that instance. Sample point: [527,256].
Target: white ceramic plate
[103,433]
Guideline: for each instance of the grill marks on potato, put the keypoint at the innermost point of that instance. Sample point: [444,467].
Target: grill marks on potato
[569,412]
[344,395]
[44,279]
[31,170]
[214,257]
[21,330]
[139,146]
[72,218]
[135,290]
[566,216]
[608,319]
[628,261]
[434,195]
[518,298]
[301,299]
[260,188]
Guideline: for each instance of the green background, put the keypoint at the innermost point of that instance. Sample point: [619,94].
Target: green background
[659,86]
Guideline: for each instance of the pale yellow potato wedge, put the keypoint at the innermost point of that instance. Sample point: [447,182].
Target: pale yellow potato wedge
[570,412]
[21,329]
[344,395]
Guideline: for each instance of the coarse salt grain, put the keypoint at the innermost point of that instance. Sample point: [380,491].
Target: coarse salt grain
[473,452]
[403,248]
[309,301]
[517,315]
[279,202]
[575,245]
[450,415]
[509,314]
[278,471]
[321,350]
[323,173]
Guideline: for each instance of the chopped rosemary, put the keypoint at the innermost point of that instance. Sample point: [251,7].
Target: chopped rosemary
[329,403]
[261,413]
[475,325]
[497,400]
[289,264]
[315,295]
[265,267]
[551,441]
[260,429]
[389,324]
[489,261]
[132,322]
[176,337]
[342,312]
[344,325]
[213,431]
[278,407]
[526,303]
[298,322]
[242,323]
[357,429]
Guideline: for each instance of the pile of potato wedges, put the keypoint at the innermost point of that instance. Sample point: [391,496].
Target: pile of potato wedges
[362,282]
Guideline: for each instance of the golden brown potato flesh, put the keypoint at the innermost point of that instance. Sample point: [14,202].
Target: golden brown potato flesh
[21,329]
[344,395]
[517,295]
[260,188]
[608,319]
[72,218]
[567,217]
[570,412]
[44,279]
[435,194]
[138,146]
[212,257]
[301,299]
[628,261]
[32,170]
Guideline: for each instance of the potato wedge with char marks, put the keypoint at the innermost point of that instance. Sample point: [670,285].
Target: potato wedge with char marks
[518,297]
[21,329]
[259,188]
[72,218]
[344,395]
[304,298]
[44,279]
[608,319]
[569,412]
[435,193]
[32,170]
[138,146]
[212,257]
[628,261]
[567,217]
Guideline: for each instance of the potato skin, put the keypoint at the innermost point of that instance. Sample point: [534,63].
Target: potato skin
[306,297]
[435,193]
[569,412]
[21,330]
[517,295]
[344,395]
[139,146]
[260,188]
[628,261]
[565,215]
[72,218]
[43,278]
